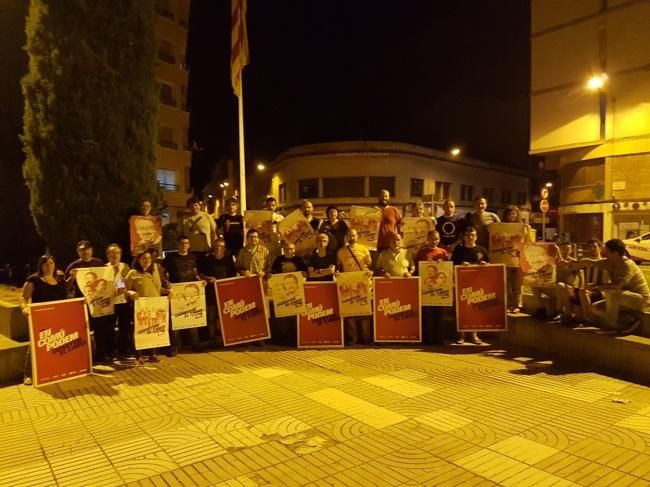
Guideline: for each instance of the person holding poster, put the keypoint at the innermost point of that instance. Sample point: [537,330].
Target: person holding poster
[44,286]
[470,253]
[199,227]
[308,211]
[355,257]
[231,226]
[297,229]
[391,220]
[432,331]
[213,267]
[145,232]
[366,222]
[321,265]
[395,261]
[253,258]
[125,345]
[480,219]
[144,280]
[335,228]
[271,204]
[450,226]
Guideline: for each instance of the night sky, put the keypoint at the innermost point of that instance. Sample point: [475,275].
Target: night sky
[428,72]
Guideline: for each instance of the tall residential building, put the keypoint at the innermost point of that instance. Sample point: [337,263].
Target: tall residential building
[590,112]
[173,157]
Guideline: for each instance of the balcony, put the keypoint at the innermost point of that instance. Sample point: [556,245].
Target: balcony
[167,186]
[168,100]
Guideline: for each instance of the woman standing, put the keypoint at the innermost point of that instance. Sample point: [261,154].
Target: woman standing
[143,281]
[513,277]
[123,312]
[43,286]
[335,228]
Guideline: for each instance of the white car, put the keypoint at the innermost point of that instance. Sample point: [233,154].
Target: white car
[639,247]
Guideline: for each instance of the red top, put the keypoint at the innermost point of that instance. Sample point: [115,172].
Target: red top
[391,220]
[427,253]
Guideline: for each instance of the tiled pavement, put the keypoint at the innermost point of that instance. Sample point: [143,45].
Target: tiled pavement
[361,416]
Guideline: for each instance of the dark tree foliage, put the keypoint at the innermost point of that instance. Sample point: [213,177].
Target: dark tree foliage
[20,243]
[90,118]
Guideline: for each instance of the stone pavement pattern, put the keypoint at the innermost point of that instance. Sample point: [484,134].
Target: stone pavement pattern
[359,416]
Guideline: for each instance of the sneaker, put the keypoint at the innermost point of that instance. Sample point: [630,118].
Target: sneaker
[154,358]
[27,381]
[477,341]
[172,352]
[460,341]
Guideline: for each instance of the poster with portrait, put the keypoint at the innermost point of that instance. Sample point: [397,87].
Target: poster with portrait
[415,231]
[242,311]
[320,324]
[296,229]
[396,309]
[188,305]
[537,264]
[98,287]
[506,242]
[151,322]
[354,293]
[145,233]
[365,220]
[436,283]
[481,297]
[59,341]
[262,221]
[288,293]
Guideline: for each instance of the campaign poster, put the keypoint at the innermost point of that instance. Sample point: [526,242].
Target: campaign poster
[320,325]
[397,309]
[436,283]
[145,233]
[537,264]
[59,341]
[415,231]
[242,312]
[188,305]
[365,220]
[151,322]
[296,229]
[506,242]
[354,293]
[262,221]
[98,287]
[288,293]
[481,297]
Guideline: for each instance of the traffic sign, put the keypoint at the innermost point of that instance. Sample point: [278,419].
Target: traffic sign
[544,206]
[544,193]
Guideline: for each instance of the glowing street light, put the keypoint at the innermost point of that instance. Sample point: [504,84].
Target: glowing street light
[597,82]
[549,184]
[455,151]
[261,167]
[225,184]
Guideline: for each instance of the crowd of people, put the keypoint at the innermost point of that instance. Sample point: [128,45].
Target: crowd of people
[592,289]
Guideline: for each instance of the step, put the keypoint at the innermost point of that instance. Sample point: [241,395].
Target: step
[629,355]
[13,323]
[12,360]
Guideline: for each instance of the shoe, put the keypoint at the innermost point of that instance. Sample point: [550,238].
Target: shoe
[154,358]
[27,381]
[172,352]
[477,341]
[515,311]
[635,326]
[460,341]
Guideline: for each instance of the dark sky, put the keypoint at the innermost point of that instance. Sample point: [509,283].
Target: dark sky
[428,72]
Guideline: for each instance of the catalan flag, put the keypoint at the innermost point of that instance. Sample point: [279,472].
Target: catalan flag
[238,44]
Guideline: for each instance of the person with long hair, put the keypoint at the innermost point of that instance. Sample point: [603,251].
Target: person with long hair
[144,281]
[43,286]
[513,276]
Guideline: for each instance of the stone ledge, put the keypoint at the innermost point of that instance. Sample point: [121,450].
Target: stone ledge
[12,360]
[12,322]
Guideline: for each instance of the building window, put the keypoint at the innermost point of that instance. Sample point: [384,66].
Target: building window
[506,196]
[282,192]
[522,197]
[307,188]
[343,187]
[466,192]
[488,193]
[166,137]
[166,51]
[166,94]
[377,183]
[417,187]
[443,191]
[167,179]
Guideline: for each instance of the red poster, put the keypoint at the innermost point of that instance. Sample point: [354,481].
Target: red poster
[321,325]
[397,309]
[241,310]
[481,297]
[59,341]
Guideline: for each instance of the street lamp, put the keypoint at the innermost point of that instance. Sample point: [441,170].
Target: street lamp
[455,151]
[549,184]
[261,167]
[597,82]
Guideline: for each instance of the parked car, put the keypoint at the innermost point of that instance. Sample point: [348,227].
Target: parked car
[639,247]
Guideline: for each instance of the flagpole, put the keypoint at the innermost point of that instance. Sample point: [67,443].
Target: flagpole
[242,157]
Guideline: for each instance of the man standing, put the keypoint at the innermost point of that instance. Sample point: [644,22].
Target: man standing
[181,266]
[391,221]
[450,226]
[480,219]
[253,258]
[231,226]
[271,204]
[308,210]
[395,261]
[199,227]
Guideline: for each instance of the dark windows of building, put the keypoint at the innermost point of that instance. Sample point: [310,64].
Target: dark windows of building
[506,196]
[166,51]
[167,94]
[466,192]
[167,179]
[442,191]
[343,187]
[521,197]
[307,188]
[377,183]
[166,137]
[417,187]
[282,192]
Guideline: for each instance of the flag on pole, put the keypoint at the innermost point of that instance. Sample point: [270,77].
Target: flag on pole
[238,44]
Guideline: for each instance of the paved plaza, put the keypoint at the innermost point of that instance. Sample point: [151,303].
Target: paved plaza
[379,416]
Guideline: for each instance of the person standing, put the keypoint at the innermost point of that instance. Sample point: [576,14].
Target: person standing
[123,311]
[199,227]
[321,264]
[450,226]
[480,219]
[513,276]
[231,226]
[308,211]
[391,220]
[271,204]
[253,258]
[395,261]
[43,286]
[432,324]
[335,228]
[181,266]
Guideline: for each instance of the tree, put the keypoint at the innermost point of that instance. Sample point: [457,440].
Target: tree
[90,118]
